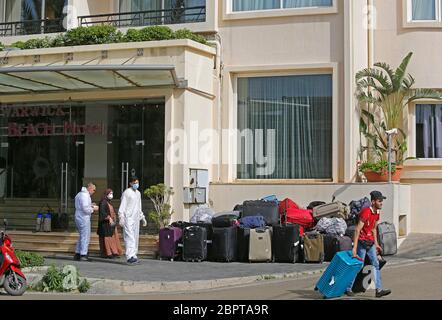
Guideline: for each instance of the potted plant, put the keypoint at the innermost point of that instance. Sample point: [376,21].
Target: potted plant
[383,95]
[160,196]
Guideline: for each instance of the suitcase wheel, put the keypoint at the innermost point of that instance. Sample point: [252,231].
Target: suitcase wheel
[316,288]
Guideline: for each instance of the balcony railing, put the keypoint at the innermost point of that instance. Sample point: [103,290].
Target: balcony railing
[146,18]
[26,27]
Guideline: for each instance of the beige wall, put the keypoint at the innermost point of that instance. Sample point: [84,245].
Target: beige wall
[427,213]
[393,42]
[283,44]
[399,197]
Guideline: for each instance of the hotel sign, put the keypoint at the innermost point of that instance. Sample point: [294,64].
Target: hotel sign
[45,129]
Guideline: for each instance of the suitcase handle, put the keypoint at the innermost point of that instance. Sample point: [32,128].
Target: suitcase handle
[351,255]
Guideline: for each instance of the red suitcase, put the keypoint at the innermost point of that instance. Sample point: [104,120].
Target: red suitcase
[295,214]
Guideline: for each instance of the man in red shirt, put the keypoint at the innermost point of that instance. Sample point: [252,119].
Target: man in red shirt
[366,241]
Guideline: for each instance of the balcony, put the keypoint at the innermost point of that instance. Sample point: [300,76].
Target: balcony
[27,27]
[146,18]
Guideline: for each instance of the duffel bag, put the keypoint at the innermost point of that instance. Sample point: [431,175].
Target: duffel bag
[331,210]
[224,221]
[252,222]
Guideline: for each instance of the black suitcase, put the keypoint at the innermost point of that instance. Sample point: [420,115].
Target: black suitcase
[364,277]
[224,244]
[285,243]
[243,242]
[333,244]
[268,210]
[207,226]
[195,244]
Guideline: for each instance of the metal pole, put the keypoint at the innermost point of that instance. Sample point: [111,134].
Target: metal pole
[122,177]
[66,189]
[12,182]
[389,158]
[61,187]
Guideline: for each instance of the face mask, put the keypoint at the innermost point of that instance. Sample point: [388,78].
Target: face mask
[135,186]
[110,196]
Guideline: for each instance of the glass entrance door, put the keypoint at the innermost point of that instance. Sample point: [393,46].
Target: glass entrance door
[135,144]
[40,145]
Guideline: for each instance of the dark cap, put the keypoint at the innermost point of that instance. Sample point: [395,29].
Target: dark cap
[376,195]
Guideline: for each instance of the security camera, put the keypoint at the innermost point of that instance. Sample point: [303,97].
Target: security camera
[392,131]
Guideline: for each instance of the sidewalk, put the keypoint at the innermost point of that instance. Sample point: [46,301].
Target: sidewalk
[115,277]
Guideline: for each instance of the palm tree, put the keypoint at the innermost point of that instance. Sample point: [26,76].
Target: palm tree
[389,92]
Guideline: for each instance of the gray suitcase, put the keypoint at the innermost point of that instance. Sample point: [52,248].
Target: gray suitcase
[260,245]
[331,210]
[387,238]
[313,247]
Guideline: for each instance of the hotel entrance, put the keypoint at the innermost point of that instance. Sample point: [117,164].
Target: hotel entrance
[50,151]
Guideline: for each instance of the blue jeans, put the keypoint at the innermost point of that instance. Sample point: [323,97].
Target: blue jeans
[372,254]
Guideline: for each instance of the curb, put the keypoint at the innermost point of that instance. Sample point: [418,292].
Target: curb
[104,286]
[35,269]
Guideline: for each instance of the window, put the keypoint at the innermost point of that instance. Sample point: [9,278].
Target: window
[285,125]
[25,16]
[175,11]
[429,131]
[256,5]
[424,10]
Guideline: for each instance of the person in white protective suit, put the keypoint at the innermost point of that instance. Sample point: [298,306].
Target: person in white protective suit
[130,214]
[83,210]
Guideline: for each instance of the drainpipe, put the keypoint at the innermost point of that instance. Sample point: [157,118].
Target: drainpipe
[219,66]
[370,55]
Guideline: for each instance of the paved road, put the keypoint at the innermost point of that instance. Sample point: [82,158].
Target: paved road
[416,281]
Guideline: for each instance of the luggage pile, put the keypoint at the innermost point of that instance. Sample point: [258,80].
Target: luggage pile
[269,230]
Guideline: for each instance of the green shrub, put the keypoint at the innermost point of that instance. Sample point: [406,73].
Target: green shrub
[187,34]
[153,33]
[92,35]
[380,167]
[1,46]
[84,286]
[107,34]
[29,259]
[38,43]
[62,280]
[132,35]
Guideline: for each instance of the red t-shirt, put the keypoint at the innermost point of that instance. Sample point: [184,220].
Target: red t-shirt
[369,218]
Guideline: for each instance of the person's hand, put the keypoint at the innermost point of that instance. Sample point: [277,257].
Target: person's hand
[355,253]
[111,221]
[95,207]
[122,221]
[379,249]
[144,221]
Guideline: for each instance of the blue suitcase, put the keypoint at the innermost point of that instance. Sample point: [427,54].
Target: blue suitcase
[339,274]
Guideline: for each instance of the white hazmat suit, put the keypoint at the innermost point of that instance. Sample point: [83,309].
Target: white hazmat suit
[83,211]
[130,215]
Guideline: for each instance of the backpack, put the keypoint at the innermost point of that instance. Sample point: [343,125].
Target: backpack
[356,207]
